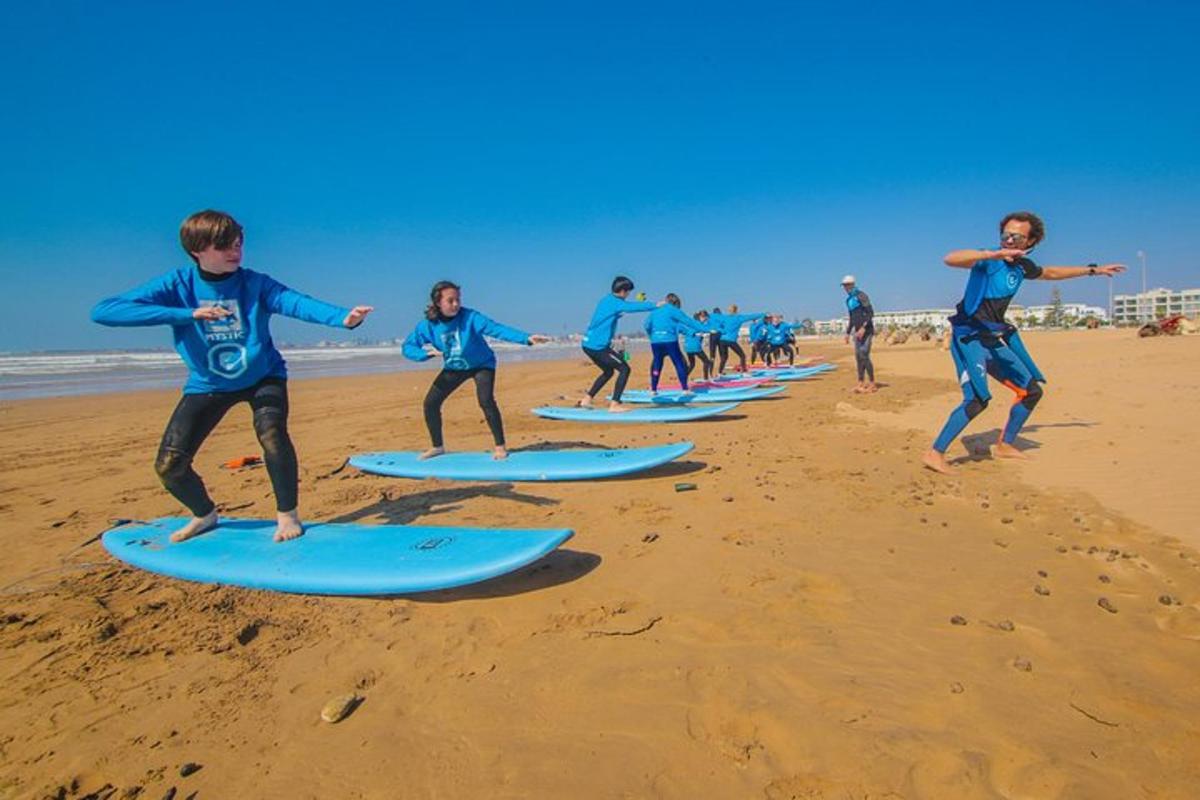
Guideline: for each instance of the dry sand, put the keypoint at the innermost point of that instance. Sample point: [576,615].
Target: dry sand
[785,631]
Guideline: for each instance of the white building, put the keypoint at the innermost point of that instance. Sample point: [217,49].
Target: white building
[825,327]
[907,319]
[1133,309]
[1046,313]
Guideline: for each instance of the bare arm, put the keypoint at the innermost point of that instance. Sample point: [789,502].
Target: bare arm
[965,259]
[1063,273]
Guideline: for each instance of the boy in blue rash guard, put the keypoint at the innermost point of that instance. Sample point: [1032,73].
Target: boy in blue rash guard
[731,325]
[861,326]
[458,334]
[982,343]
[597,342]
[220,316]
[663,326]
[693,345]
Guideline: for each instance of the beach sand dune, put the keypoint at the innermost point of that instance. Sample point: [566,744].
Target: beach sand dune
[820,619]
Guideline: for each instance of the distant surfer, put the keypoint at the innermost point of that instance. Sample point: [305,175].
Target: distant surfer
[457,333]
[983,343]
[731,325]
[597,342]
[693,345]
[664,325]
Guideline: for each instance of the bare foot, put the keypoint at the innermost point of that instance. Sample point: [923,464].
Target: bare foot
[871,388]
[197,526]
[858,389]
[431,453]
[937,462]
[617,408]
[500,453]
[1005,450]
[289,526]
[584,402]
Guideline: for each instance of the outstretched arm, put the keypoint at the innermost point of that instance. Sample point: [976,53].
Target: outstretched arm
[489,327]
[1063,273]
[414,346]
[152,303]
[283,300]
[965,259]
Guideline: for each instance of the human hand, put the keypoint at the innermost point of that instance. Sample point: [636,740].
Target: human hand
[1110,269]
[356,316]
[1006,253]
[210,313]
[847,338]
[539,338]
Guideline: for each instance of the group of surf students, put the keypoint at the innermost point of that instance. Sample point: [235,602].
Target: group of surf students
[219,313]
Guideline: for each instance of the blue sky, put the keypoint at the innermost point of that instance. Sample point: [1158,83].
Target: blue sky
[750,153]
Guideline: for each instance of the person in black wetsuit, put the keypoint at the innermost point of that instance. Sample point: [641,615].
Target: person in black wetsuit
[862,327]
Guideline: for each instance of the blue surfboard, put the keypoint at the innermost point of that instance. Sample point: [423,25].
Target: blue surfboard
[677,397]
[800,373]
[651,414]
[527,465]
[331,558]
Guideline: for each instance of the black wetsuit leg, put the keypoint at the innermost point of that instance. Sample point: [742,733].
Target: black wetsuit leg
[609,361]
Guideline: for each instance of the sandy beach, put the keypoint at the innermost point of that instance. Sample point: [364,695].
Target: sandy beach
[821,618]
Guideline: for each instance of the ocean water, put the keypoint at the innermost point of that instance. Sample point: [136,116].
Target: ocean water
[30,375]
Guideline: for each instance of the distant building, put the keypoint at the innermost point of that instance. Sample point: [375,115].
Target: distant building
[907,319]
[825,327]
[1134,309]
[1045,313]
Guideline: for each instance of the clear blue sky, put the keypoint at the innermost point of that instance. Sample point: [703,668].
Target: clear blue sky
[747,153]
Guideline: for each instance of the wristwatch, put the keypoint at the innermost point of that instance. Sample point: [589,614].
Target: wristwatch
[1091,269]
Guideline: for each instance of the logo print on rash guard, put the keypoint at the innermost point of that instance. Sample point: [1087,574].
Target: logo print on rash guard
[452,348]
[227,360]
[1012,279]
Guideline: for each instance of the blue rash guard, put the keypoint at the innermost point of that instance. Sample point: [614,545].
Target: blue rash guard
[731,324]
[604,319]
[460,340]
[694,342]
[666,323]
[758,331]
[777,334]
[222,355]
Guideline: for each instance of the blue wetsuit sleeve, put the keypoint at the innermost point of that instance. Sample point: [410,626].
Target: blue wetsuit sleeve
[489,327]
[630,306]
[152,303]
[414,346]
[288,302]
[647,326]
[688,323]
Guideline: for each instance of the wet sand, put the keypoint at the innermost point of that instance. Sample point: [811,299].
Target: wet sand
[821,619]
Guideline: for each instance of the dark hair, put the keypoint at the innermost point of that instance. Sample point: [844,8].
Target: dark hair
[673,299]
[696,316]
[1037,228]
[716,310]
[209,228]
[432,312]
[622,284]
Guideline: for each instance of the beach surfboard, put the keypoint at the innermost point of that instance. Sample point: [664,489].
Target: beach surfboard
[650,414]
[729,383]
[700,395]
[522,465]
[331,558]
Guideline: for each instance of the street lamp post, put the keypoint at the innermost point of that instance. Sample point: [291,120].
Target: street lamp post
[1142,257]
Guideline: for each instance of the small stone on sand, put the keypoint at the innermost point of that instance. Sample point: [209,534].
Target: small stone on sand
[1042,590]
[188,769]
[339,707]
[1022,664]
[1166,599]
[956,688]
[1104,603]
[958,620]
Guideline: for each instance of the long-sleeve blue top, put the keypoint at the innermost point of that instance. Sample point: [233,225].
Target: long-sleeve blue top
[460,340]
[758,331]
[778,333]
[732,323]
[694,342]
[665,323]
[604,320]
[227,354]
